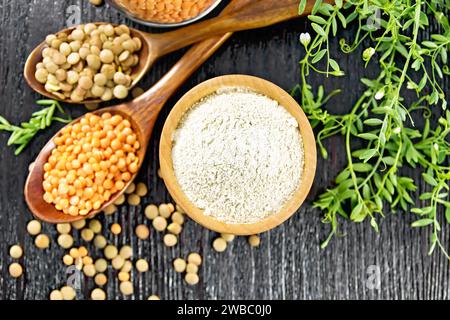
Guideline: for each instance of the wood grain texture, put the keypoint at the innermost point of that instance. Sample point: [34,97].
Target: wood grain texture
[288,265]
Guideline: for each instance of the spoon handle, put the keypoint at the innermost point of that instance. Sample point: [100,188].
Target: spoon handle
[146,108]
[258,14]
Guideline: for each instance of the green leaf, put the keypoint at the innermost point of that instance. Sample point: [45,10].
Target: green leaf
[316,6]
[317,19]
[373,122]
[368,154]
[334,65]
[368,136]
[319,56]
[318,29]
[357,214]
[301,7]
[422,223]
[447,214]
[344,175]
[429,179]
[362,167]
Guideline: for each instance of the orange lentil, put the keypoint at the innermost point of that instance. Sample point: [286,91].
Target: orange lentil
[164,11]
[89,164]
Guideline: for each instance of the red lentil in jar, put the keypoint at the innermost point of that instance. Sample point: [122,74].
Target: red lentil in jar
[165,11]
[93,159]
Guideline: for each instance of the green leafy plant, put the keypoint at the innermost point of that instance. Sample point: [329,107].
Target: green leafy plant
[23,134]
[379,131]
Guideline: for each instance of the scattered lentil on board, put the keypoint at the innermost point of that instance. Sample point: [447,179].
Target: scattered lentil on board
[34,227]
[219,244]
[16,251]
[191,278]
[151,211]
[179,265]
[15,270]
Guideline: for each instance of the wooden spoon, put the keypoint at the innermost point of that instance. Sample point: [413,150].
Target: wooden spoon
[142,113]
[255,14]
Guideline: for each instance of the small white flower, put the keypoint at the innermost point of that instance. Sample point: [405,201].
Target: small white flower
[397,130]
[436,147]
[368,53]
[380,94]
[305,39]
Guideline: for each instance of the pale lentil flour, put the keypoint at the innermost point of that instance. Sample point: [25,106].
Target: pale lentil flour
[238,155]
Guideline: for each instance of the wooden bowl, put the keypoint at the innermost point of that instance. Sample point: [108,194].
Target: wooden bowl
[266,88]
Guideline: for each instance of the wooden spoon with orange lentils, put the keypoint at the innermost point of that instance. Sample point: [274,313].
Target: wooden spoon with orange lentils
[93,159]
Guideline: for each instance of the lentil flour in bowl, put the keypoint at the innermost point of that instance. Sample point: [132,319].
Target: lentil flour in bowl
[165,13]
[238,155]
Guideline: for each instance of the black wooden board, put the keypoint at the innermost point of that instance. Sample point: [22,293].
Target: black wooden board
[289,264]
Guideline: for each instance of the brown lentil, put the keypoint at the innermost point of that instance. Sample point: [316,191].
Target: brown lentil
[142,265]
[127,266]
[142,232]
[159,223]
[151,211]
[141,189]
[123,276]
[195,258]
[95,226]
[109,210]
[118,262]
[227,237]
[191,268]
[100,279]
[178,217]
[89,270]
[63,228]
[116,228]
[164,211]
[78,225]
[34,227]
[191,278]
[68,293]
[15,270]
[220,245]
[254,241]
[56,295]
[179,265]
[134,199]
[110,252]
[170,240]
[174,228]
[100,241]
[15,251]
[42,241]
[73,66]
[120,200]
[97,293]
[65,241]
[126,287]
[87,234]
[101,265]
[68,260]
